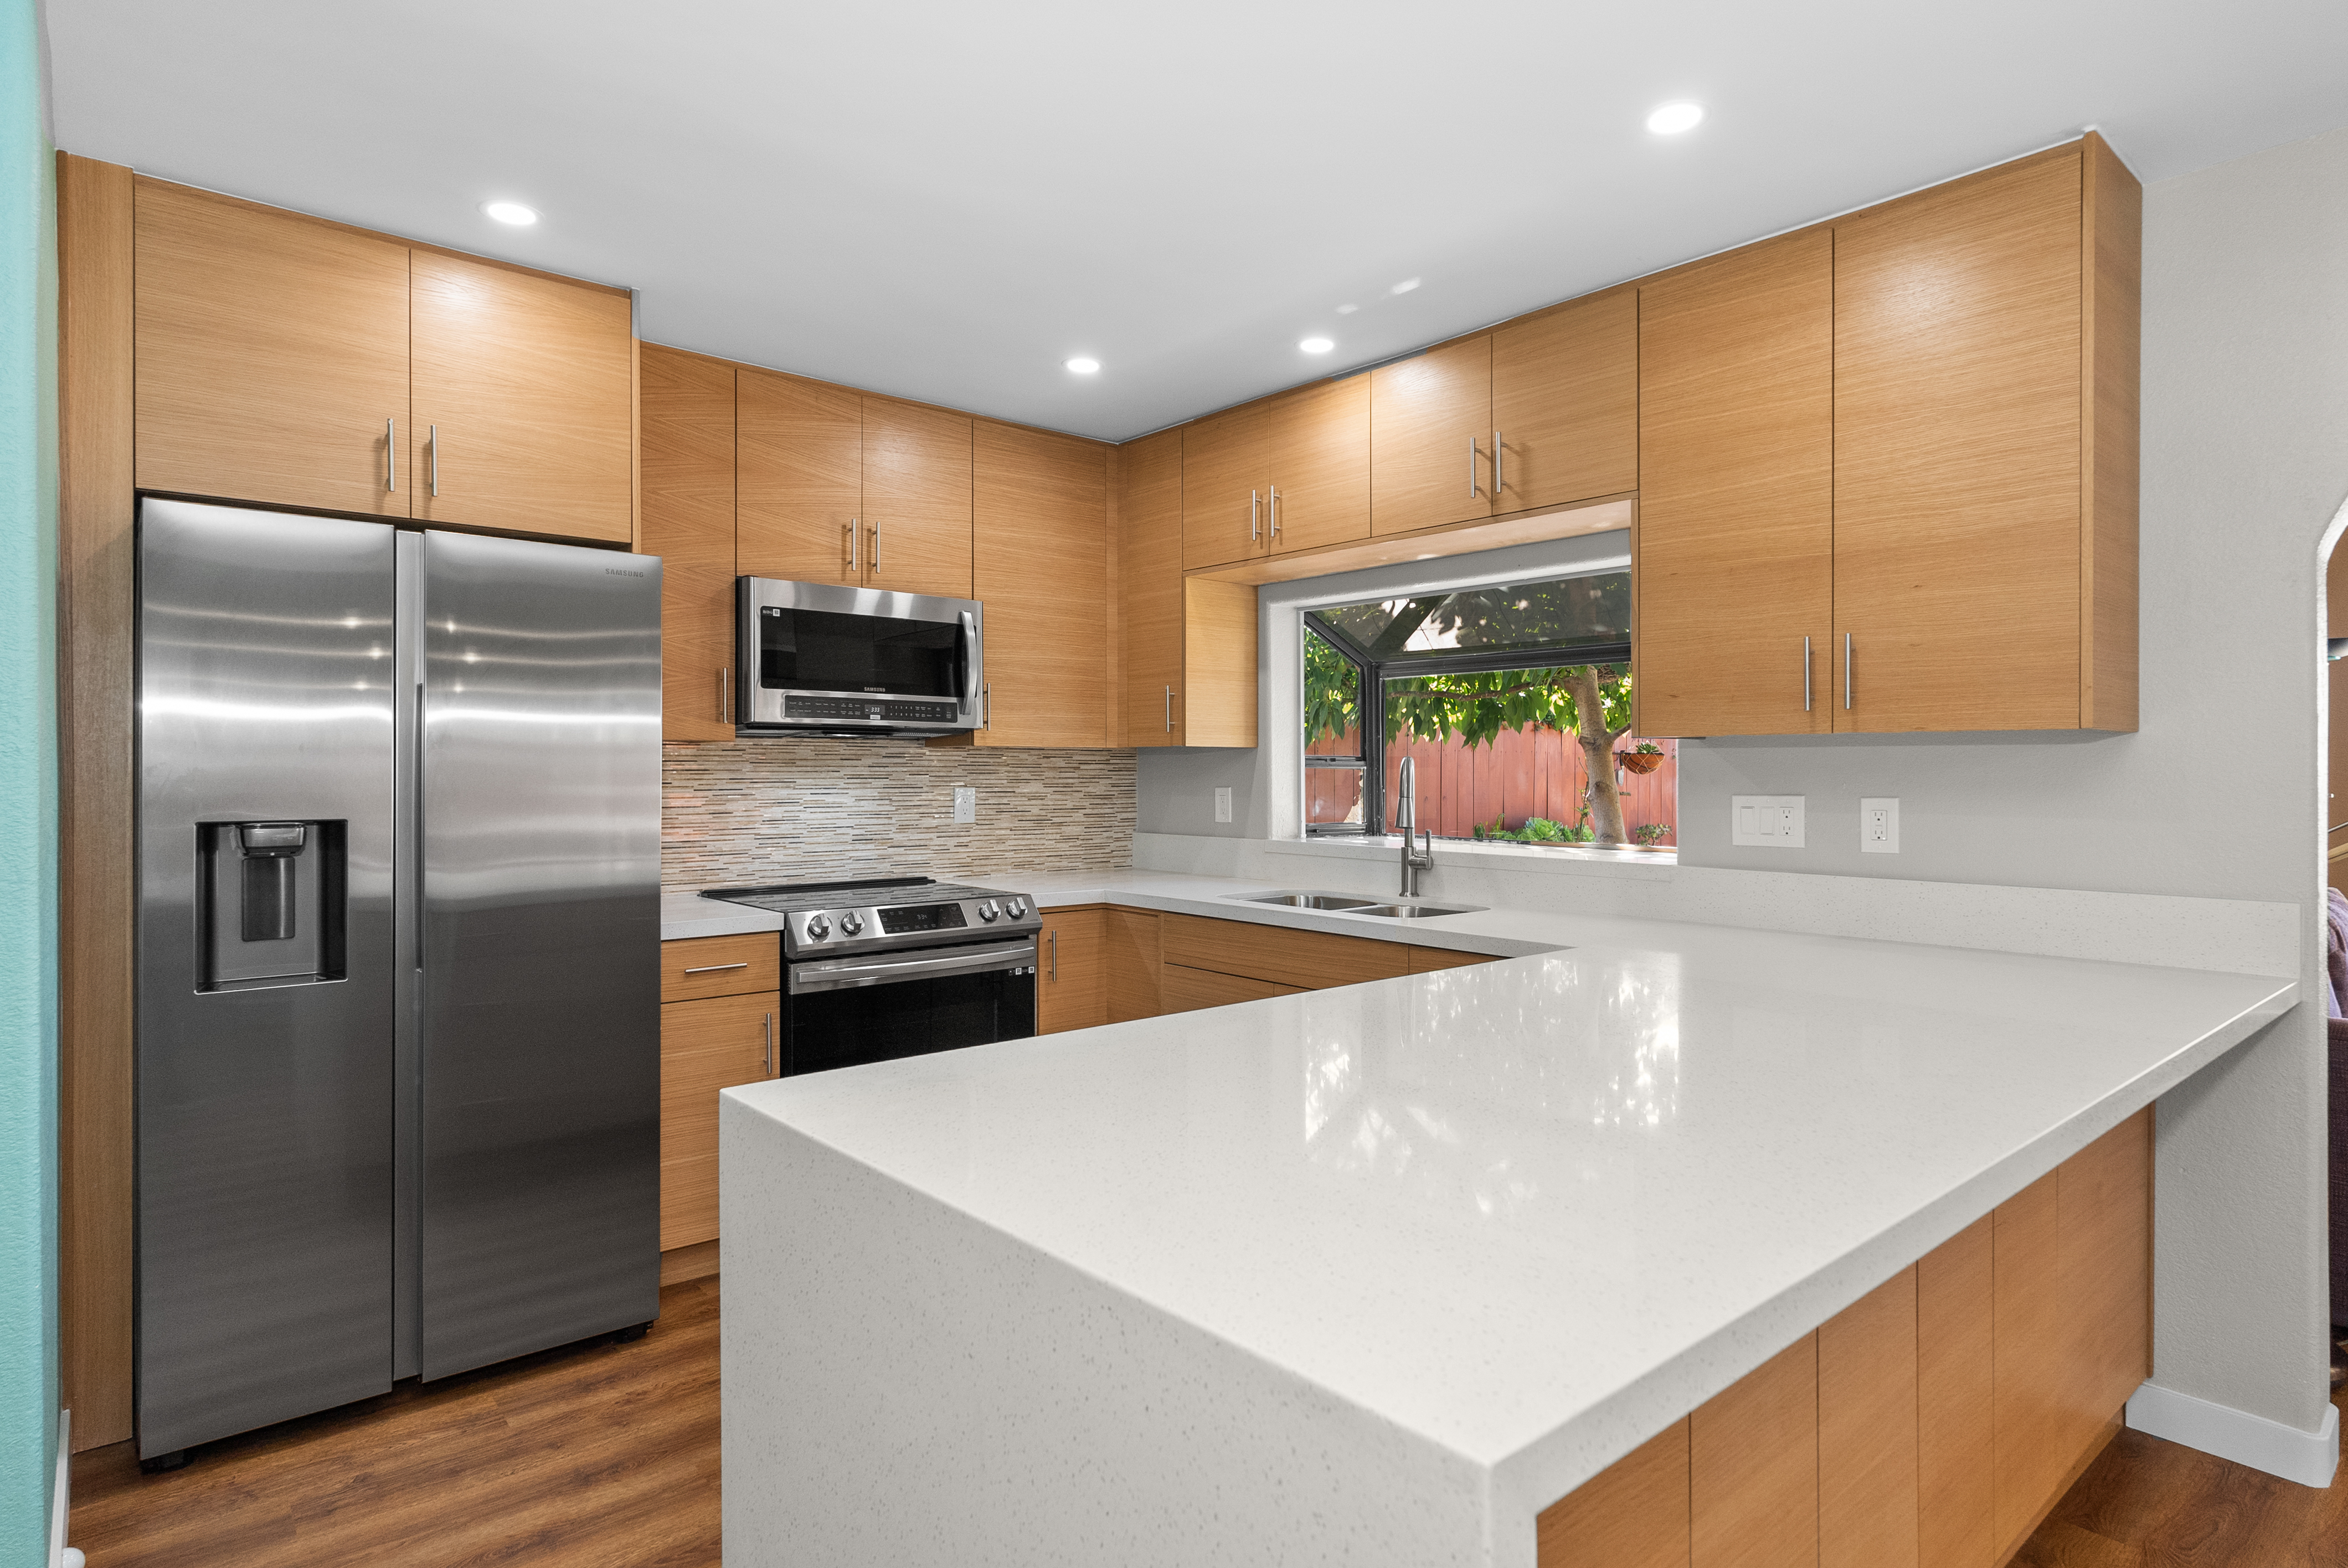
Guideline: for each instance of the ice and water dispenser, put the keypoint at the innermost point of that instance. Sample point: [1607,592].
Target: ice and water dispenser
[274,903]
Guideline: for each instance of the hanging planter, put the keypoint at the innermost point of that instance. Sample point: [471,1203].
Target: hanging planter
[1640,762]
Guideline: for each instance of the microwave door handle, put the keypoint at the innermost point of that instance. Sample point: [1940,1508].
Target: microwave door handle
[971,655]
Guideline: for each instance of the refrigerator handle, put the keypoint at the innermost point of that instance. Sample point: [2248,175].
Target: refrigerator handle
[418,817]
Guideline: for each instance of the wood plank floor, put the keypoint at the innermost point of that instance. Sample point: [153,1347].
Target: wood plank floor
[597,1456]
[607,1455]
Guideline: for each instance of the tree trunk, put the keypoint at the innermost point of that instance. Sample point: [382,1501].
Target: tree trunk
[1598,760]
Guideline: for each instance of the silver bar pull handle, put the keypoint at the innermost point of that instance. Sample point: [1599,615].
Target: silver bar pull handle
[852,547]
[1846,671]
[391,454]
[1169,710]
[1499,449]
[713,968]
[1255,527]
[1054,935]
[1275,513]
[721,694]
[1473,489]
[419,816]
[432,452]
[985,705]
[767,1063]
[1806,674]
[873,555]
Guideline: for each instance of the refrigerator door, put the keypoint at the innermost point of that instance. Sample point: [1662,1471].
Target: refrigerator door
[540,1111]
[264,1040]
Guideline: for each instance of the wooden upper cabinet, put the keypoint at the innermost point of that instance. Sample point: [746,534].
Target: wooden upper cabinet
[1317,471]
[1735,534]
[1961,412]
[1224,464]
[1150,559]
[917,499]
[1431,438]
[1041,509]
[801,458]
[1565,403]
[685,469]
[270,350]
[528,384]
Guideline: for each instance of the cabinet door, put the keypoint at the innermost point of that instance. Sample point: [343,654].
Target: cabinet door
[2028,1372]
[1041,568]
[1632,1514]
[917,499]
[1956,1526]
[1319,473]
[1134,960]
[1225,464]
[686,465]
[1957,453]
[800,459]
[2104,1202]
[528,382]
[1565,403]
[1736,528]
[1431,438]
[1150,561]
[1866,1431]
[270,352]
[1753,1464]
[705,1046]
[1307,959]
[1071,970]
[1216,700]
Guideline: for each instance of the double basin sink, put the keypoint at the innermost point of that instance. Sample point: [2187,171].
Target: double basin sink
[1354,903]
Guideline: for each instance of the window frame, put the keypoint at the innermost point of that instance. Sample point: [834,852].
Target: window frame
[1374,673]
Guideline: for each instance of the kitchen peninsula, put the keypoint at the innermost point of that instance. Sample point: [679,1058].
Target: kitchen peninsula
[1381,1273]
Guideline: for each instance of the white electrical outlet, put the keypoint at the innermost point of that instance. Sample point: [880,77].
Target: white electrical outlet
[1222,803]
[1879,824]
[965,803]
[1770,821]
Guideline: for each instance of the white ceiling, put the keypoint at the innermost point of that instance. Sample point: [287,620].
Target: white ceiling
[945,201]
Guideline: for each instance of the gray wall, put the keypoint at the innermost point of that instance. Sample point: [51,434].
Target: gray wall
[2245,466]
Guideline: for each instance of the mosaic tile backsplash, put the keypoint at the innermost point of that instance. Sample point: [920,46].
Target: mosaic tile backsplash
[804,808]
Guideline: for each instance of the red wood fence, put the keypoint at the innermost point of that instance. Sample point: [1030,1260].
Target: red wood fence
[1523,773]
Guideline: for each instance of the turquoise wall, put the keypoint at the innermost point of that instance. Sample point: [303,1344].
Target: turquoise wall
[29,796]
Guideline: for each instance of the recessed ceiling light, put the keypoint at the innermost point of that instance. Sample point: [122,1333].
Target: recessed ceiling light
[1672,118]
[1084,366]
[1347,309]
[512,213]
[1316,346]
[1406,286]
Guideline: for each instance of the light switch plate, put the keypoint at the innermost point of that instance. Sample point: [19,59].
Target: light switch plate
[965,803]
[1879,824]
[1767,821]
[1222,803]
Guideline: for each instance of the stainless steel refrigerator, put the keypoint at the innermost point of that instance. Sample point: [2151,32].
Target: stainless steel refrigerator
[399,1063]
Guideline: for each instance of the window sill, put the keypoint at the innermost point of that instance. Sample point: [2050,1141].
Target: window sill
[1572,859]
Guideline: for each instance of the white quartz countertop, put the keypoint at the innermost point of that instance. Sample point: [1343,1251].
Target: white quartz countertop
[1530,1211]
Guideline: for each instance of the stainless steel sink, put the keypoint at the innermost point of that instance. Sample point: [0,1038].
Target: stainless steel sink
[1416,911]
[1307,900]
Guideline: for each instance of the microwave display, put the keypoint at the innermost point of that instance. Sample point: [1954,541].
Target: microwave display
[825,650]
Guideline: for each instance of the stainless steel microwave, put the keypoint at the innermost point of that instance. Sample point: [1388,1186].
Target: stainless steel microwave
[825,659]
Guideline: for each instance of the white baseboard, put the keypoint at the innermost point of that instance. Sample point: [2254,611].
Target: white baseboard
[61,1498]
[2307,1458]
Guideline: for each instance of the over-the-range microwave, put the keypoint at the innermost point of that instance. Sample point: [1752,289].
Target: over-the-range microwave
[824,658]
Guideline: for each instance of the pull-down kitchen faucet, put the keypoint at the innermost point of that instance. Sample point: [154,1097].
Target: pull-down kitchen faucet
[1406,818]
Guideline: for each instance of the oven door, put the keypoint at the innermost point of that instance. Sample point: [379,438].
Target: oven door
[838,1012]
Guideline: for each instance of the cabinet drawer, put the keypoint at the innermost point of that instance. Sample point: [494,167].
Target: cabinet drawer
[1309,960]
[721,966]
[1187,991]
[1428,960]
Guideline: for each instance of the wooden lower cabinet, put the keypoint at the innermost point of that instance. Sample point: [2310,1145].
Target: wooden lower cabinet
[706,1045]
[1933,1423]
[1071,973]
[1428,960]
[1307,960]
[1134,960]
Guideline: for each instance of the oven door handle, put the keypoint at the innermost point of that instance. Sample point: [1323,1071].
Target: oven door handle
[840,974]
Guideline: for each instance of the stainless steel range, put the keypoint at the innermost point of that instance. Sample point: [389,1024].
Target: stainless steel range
[896,967]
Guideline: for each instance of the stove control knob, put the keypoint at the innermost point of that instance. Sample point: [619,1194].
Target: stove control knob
[850,922]
[819,926]
[1015,907]
[986,910]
